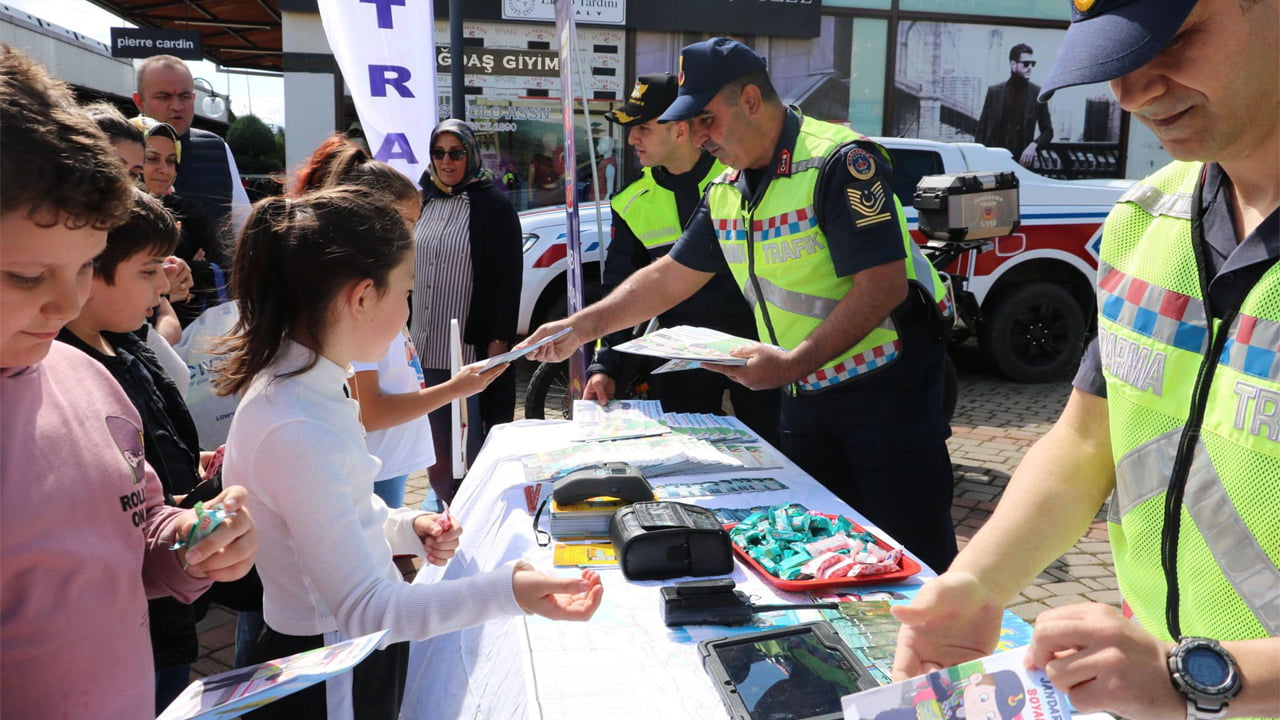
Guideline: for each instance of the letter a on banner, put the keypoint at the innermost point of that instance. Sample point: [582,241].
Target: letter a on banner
[389,63]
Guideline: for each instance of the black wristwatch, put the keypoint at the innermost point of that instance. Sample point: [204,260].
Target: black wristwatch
[1206,675]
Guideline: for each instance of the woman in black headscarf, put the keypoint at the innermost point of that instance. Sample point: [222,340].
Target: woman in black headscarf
[468,267]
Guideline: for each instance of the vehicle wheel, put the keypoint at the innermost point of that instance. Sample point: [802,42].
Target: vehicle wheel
[1034,332]
[548,394]
[950,389]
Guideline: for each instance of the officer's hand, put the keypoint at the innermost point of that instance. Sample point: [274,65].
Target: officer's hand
[1105,662]
[553,351]
[600,387]
[954,618]
[767,367]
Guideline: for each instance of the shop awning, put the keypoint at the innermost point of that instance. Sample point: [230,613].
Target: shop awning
[237,33]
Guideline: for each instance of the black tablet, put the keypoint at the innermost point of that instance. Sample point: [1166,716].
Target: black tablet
[793,673]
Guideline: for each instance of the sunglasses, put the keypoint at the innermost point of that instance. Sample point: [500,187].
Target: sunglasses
[454,154]
[1026,63]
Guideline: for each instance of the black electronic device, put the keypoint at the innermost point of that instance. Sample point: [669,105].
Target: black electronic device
[660,540]
[716,602]
[612,479]
[705,602]
[798,672]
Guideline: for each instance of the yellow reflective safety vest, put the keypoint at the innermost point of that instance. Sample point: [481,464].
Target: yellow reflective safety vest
[1193,400]
[650,209]
[778,254]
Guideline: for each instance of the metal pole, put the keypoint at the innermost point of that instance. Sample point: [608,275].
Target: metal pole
[566,30]
[457,67]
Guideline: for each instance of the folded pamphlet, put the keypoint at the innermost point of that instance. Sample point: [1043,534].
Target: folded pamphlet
[996,686]
[690,344]
[232,693]
[518,353]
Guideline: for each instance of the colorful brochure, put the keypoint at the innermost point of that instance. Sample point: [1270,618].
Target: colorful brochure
[996,686]
[685,342]
[235,692]
[510,355]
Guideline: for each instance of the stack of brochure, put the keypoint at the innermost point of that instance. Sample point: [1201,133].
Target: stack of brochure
[712,428]
[654,456]
[619,420]
[687,347]
[586,519]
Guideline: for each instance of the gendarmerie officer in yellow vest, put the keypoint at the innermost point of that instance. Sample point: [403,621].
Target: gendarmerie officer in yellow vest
[648,217]
[807,222]
[1175,415]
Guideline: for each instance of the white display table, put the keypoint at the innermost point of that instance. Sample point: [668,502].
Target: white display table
[624,663]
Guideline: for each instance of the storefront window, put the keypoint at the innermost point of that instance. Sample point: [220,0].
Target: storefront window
[966,82]
[1039,9]
[871,4]
[522,143]
[513,101]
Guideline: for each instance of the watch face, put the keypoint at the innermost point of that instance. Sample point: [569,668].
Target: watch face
[1206,667]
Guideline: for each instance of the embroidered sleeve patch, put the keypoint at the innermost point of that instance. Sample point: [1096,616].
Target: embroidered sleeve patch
[869,202]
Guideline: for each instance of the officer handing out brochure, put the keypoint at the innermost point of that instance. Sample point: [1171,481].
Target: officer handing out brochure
[648,217]
[807,223]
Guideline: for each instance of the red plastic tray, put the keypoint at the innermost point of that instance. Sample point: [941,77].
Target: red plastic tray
[909,567]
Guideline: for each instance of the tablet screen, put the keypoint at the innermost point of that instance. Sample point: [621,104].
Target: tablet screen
[790,677]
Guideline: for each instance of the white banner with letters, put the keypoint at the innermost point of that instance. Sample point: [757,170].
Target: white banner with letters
[386,51]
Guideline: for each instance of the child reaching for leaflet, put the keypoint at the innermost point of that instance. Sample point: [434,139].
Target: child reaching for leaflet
[322,282]
[394,399]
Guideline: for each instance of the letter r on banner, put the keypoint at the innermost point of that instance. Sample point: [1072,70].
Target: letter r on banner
[382,76]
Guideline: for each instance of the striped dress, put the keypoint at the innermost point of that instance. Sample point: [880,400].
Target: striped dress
[443,278]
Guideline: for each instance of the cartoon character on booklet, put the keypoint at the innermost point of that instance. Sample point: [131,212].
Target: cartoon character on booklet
[933,697]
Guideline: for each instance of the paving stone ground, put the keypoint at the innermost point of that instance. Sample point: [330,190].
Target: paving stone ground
[996,421]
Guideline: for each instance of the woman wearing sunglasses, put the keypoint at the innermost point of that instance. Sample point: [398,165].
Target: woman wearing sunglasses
[467,266]
[199,247]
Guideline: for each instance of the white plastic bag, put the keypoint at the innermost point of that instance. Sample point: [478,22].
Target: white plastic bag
[212,413]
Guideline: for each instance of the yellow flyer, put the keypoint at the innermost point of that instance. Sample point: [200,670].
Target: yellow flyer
[585,554]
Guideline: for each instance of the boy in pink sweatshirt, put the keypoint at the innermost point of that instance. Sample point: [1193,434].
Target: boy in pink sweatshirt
[85,537]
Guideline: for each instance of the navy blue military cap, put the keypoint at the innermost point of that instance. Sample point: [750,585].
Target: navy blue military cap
[705,67]
[1110,38]
[651,95]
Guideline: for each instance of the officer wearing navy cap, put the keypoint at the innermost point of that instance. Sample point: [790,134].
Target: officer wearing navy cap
[807,223]
[1175,413]
[648,217]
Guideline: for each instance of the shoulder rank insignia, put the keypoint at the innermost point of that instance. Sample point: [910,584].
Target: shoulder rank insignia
[867,200]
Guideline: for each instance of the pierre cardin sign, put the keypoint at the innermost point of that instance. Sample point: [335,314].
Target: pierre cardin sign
[145,42]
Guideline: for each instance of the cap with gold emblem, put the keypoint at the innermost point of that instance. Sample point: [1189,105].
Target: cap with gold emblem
[650,96]
[705,68]
[1110,38]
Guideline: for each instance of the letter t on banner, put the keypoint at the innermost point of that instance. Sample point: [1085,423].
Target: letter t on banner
[386,51]
[567,31]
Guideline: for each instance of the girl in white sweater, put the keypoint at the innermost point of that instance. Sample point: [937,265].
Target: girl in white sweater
[322,283]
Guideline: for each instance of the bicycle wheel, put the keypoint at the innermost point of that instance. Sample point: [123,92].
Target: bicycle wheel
[548,393]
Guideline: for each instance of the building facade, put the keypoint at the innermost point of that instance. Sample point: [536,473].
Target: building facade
[917,68]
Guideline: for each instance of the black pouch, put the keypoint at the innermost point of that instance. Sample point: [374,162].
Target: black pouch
[659,540]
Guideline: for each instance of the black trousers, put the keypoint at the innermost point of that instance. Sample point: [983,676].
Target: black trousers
[702,391]
[880,445]
[377,683]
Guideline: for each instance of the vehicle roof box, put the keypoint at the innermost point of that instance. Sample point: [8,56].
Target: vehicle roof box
[966,206]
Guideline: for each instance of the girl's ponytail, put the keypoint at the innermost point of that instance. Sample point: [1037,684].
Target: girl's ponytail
[255,339]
